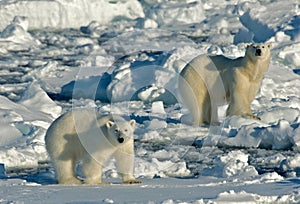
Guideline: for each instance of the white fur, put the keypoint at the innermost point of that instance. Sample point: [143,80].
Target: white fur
[91,138]
[208,81]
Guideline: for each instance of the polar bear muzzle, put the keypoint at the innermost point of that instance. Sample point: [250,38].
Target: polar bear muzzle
[119,135]
[258,52]
[120,139]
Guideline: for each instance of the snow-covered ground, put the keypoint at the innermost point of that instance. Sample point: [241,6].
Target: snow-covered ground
[124,57]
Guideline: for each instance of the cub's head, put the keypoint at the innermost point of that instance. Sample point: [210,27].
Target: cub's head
[258,51]
[120,131]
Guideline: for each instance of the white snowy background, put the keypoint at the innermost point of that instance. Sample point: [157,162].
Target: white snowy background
[124,57]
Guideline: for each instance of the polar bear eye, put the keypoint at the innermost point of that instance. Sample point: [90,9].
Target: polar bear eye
[125,130]
[263,46]
[116,130]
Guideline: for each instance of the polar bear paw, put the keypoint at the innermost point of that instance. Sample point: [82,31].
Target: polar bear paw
[251,116]
[132,181]
[96,182]
[70,181]
[256,117]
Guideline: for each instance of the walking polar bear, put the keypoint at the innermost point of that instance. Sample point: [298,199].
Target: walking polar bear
[86,136]
[209,81]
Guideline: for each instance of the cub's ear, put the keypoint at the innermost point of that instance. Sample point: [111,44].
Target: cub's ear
[109,124]
[269,45]
[132,123]
[247,45]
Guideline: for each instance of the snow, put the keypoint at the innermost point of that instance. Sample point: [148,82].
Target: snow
[202,190]
[124,57]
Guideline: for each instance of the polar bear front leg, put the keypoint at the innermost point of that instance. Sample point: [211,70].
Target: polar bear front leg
[239,100]
[239,107]
[92,170]
[125,164]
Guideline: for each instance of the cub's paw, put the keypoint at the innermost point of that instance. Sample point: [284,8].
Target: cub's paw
[93,182]
[257,118]
[254,117]
[250,116]
[132,181]
[105,183]
[70,181]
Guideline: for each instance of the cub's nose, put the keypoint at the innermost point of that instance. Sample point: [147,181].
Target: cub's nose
[258,52]
[120,139]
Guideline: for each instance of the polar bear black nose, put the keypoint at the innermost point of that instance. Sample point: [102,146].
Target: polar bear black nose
[120,139]
[258,52]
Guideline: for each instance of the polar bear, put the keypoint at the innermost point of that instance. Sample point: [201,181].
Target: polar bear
[90,138]
[209,81]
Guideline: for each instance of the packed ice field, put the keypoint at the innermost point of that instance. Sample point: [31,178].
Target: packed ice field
[124,58]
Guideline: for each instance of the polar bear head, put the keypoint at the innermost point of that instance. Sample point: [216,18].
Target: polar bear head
[258,51]
[120,131]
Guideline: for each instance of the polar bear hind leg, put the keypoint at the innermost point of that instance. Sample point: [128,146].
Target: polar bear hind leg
[198,103]
[199,85]
[189,99]
[195,109]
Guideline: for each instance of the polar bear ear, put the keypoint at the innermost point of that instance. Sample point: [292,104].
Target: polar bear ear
[109,124]
[132,123]
[247,45]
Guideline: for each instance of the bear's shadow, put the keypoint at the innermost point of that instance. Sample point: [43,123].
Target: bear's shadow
[42,177]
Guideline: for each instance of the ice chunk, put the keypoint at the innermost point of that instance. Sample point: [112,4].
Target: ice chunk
[9,133]
[146,23]
[174,13]
[15,35]
[242,36]
[36,99]
[263,23]
[296,138]
[69,14]
[245,137]
[291,164]
[2,171]
[290,54]
[158,107]
[234,164]
[156,124]
[276,114]
[294,31]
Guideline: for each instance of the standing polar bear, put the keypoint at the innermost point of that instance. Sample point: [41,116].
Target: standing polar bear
[87,136]
[209,81]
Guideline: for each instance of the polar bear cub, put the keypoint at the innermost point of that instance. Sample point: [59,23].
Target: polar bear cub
[90,138]
[209,81]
